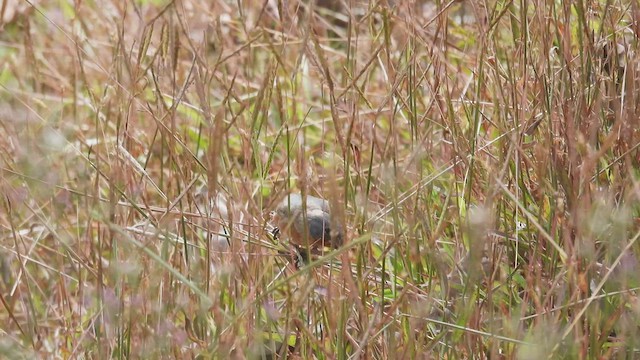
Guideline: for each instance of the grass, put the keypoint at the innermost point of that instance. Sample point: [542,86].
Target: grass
[483,157]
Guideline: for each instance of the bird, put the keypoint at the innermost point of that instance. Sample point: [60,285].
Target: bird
[321,231]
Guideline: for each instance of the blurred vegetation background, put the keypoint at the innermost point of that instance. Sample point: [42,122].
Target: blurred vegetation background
[482,155]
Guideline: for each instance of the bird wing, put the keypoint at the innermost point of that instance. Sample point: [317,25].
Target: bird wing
[318,225]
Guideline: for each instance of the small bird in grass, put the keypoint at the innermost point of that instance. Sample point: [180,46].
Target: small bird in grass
[316,222]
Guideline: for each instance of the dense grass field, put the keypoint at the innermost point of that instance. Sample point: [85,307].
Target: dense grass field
[482,156]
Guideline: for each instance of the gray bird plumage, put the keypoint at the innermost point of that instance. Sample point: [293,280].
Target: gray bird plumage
[291,220]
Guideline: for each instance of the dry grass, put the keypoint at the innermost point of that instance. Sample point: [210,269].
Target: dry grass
[482,155]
